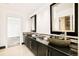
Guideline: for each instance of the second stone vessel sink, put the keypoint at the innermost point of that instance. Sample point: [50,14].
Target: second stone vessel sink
[42,41]
[59,42]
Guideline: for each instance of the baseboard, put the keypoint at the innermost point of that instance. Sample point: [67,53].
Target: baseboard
[22,43]
[2,47]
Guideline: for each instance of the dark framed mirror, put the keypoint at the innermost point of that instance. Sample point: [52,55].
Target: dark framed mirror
[64,18]
[33,23]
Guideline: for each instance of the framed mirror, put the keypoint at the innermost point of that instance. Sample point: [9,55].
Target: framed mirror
[33,23]
[64,18]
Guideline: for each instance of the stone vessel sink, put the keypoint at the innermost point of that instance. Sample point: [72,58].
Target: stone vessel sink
[59,42]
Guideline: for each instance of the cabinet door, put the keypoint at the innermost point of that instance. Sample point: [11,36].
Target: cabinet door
[34,45]
[53,52]
[24,39]
[28,42]
[42,50]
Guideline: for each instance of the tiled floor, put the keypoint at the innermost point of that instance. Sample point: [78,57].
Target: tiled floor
[20,50]
[13,41]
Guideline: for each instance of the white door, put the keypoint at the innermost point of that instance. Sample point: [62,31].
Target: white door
[14,31]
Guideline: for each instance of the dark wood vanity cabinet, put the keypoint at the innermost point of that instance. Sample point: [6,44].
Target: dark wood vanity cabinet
[37,48]
[42,50]
[27,42]
[54,52]
[34,47]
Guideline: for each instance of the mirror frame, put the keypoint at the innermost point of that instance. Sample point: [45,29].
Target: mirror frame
[34,16]
[75,33]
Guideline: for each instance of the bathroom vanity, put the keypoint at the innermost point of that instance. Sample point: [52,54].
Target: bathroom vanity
[42,47]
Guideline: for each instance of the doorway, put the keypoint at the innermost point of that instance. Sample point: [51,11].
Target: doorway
[14,31]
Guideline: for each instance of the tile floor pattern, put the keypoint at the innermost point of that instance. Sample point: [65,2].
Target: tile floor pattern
[20,50]
[13,41]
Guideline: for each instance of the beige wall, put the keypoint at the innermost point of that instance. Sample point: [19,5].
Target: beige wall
[78,30]
[43,19]
[4,13]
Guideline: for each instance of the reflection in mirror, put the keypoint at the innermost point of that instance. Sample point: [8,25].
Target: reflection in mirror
[63,17]
[33,23]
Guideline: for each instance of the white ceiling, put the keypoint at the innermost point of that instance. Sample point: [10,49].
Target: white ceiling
[23,7]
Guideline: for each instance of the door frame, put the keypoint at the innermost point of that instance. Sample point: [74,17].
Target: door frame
[21,36]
